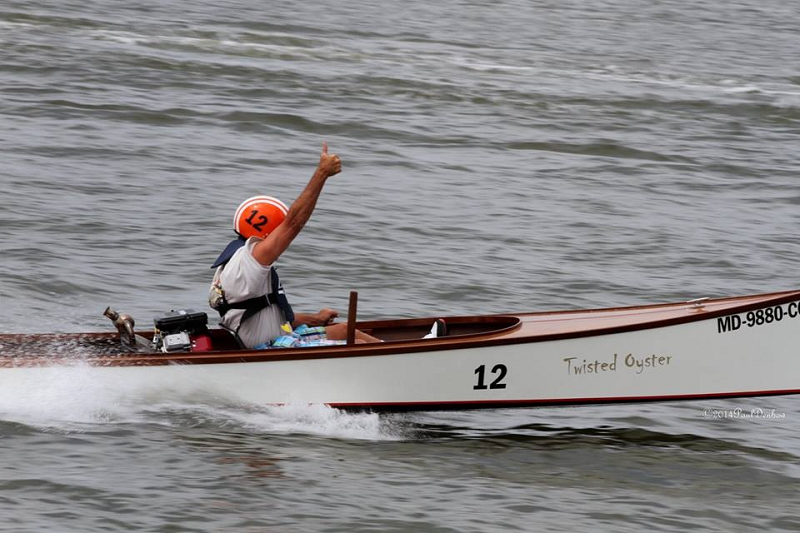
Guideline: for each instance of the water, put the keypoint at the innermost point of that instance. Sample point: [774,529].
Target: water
[512,156]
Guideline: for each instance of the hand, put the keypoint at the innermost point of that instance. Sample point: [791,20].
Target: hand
[326,316]
[329,165]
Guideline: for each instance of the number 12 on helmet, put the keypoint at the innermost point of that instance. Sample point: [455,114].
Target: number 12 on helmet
[259,216]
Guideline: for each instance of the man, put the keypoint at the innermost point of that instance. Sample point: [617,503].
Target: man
[246,290]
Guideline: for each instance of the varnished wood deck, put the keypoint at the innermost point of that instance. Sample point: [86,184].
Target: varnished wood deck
[569,322]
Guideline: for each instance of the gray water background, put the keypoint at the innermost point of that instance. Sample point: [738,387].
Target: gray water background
[498,157]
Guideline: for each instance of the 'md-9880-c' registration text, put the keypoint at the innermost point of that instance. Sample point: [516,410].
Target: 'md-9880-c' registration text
[759,317]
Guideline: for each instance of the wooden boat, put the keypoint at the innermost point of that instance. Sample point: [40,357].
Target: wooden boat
[706,348]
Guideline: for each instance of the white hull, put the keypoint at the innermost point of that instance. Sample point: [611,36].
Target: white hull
[698,359]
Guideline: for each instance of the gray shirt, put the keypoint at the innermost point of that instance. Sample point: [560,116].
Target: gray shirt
[243,278]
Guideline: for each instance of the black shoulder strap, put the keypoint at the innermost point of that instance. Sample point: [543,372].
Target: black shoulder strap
[283,302]
[257,303]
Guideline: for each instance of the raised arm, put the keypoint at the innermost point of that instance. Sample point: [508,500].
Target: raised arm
[270,248]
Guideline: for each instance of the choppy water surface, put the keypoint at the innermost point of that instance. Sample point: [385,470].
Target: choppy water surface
[512,156]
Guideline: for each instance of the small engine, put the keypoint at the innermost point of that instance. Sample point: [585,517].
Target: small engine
[181,331]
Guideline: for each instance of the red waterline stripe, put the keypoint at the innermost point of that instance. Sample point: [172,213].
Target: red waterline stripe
[485,404]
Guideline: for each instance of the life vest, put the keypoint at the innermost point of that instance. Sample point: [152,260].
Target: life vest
[257,303]
[277,296]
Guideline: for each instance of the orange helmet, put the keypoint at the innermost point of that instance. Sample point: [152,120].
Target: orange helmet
[259,216]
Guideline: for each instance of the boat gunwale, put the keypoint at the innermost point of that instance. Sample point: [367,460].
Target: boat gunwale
[500,337]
